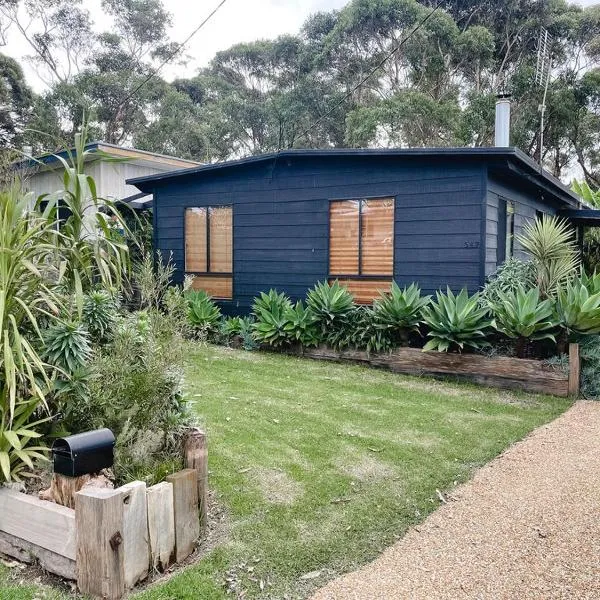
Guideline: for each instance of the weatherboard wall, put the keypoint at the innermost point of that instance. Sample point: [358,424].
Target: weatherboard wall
[527,204]
[281,219]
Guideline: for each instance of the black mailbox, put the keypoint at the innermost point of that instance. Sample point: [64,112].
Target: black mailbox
[83,453]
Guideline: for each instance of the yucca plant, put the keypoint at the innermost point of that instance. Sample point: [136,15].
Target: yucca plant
[301,325]
[579,309]
[523,316]
[331,304]
[549,241]
[271,312]
[203,314]
[399,312]
[456,322]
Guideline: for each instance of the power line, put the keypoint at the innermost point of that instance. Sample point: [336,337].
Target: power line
[170,56]
[389,55]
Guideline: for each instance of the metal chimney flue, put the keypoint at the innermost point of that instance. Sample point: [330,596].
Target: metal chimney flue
[502,137]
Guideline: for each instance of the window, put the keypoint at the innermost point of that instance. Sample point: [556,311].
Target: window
[361,245]
[510,230]
[209,249]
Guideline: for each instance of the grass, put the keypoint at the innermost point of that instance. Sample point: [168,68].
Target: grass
[320,466]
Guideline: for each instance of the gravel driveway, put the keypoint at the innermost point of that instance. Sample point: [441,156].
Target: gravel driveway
[526,526]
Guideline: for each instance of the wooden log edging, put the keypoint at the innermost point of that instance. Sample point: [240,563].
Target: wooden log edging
[502,371]
[113,537]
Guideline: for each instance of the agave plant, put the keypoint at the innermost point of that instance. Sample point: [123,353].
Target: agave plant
[203,314]
[271,312]
[523,316]
[549,241]
[456,322]
[591,282]
[331,304]
[579,309]
[301,325]
[399,312]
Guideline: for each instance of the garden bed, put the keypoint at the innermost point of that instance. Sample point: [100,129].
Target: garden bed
[501,372]
[113,538]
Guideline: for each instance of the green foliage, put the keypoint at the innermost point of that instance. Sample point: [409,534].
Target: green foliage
[521,314]
[203,314]
[399,312]
[590,361]
[301,325]
[456,322]
[578,308]
[99,314]
[135,390]
[66,346]
[85,246]
[331,304]
[271,312]
[17,431]
[550,243]
[512,275]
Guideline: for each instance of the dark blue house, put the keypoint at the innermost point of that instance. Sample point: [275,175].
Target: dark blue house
[287,220]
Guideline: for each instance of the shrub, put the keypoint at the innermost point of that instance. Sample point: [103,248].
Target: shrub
[135,389]
[509,277]
[550,243]
[399,312]
[99,315]
[521,315]
[203,314]
[300,325]
[579,309]
[590,361]
[456,322]
[331,304]
[271,311]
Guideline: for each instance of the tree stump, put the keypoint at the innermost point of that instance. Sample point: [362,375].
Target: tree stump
[62,489]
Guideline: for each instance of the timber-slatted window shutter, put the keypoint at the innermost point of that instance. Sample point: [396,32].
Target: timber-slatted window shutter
[209,249]
[361,245]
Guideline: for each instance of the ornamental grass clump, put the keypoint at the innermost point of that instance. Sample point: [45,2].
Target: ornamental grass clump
[521,315]
[456,322]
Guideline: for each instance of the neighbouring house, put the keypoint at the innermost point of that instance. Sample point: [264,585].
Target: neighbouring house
[365,217]
[44,174]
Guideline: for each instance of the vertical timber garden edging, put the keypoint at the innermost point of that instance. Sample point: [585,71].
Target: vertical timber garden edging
[502,372]
[113,538]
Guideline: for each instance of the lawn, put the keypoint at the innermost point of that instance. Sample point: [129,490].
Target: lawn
[318,467]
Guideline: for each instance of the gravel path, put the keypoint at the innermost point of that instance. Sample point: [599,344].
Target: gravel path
[526,526]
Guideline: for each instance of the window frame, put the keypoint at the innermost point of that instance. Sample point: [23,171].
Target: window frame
[360,275]
[208,273]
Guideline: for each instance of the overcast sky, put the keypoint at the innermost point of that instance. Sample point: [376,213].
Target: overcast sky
[236,21]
